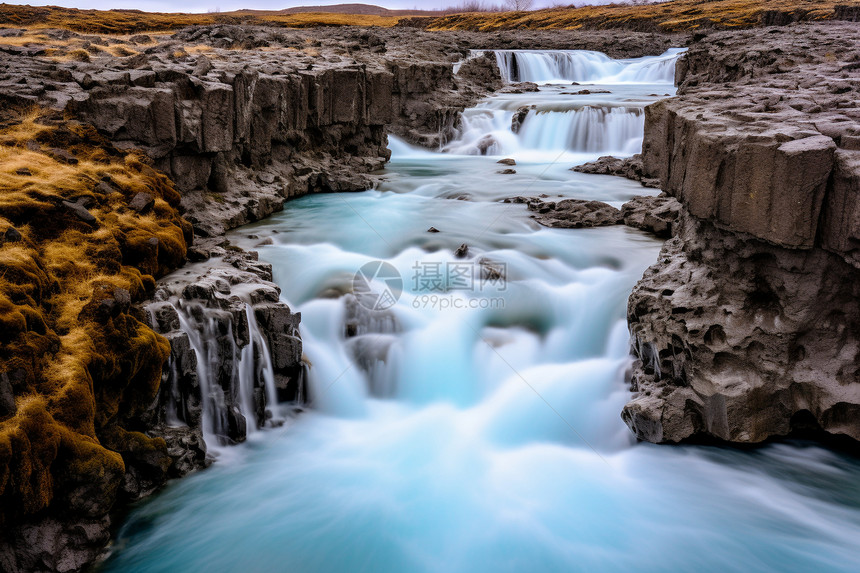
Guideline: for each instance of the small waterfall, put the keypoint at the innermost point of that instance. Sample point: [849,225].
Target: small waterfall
[235,376]
[264,368]
[591,129]
[236,353]
[588,129]
[582,122]
[555,65]
[547,66]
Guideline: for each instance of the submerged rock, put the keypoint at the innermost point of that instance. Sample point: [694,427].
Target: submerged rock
[518,118]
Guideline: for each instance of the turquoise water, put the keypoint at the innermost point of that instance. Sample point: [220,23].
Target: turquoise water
[478,429]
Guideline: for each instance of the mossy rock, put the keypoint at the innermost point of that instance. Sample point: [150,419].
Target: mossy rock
[81,364]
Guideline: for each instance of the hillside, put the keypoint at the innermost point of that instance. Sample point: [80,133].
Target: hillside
[359,9]
[673,16]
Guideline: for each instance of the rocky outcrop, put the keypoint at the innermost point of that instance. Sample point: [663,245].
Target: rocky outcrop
[741,340]
[655,215]
[747,327]
[236,352]
[846,12]
[570,213]
[629,167]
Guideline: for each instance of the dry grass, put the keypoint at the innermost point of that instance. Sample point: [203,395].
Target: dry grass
[31,38]
[101,21]
[312,19]
[673,16]
[119,22]
[78,373]
[70,49]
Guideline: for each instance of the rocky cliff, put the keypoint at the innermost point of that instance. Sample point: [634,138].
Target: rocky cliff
[243,118]
[748,327]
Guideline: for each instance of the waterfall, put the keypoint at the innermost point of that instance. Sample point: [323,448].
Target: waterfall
[590,129]
[577,121]
[249,366]
[602,129]
[548,66]
[236,392]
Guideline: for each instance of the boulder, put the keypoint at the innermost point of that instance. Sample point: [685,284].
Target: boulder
[78,210]
[655,215]
[142,203]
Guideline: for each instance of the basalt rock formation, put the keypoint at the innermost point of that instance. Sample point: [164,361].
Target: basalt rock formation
[225,323]
[656,215]
[748,327]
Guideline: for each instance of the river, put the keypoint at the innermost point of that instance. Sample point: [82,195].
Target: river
[464,406]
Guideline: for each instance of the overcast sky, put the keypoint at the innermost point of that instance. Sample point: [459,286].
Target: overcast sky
[226,5]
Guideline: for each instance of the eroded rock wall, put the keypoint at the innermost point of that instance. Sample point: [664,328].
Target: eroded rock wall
[242,118]
[236,352]
[748,327]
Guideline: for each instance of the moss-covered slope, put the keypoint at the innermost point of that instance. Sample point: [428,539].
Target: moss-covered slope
[84,230]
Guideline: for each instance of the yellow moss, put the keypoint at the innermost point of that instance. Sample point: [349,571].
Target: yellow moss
[78,373]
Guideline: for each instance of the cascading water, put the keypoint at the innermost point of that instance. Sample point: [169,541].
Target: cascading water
[474,424]
[606,116]
[548,66]
[228,373]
